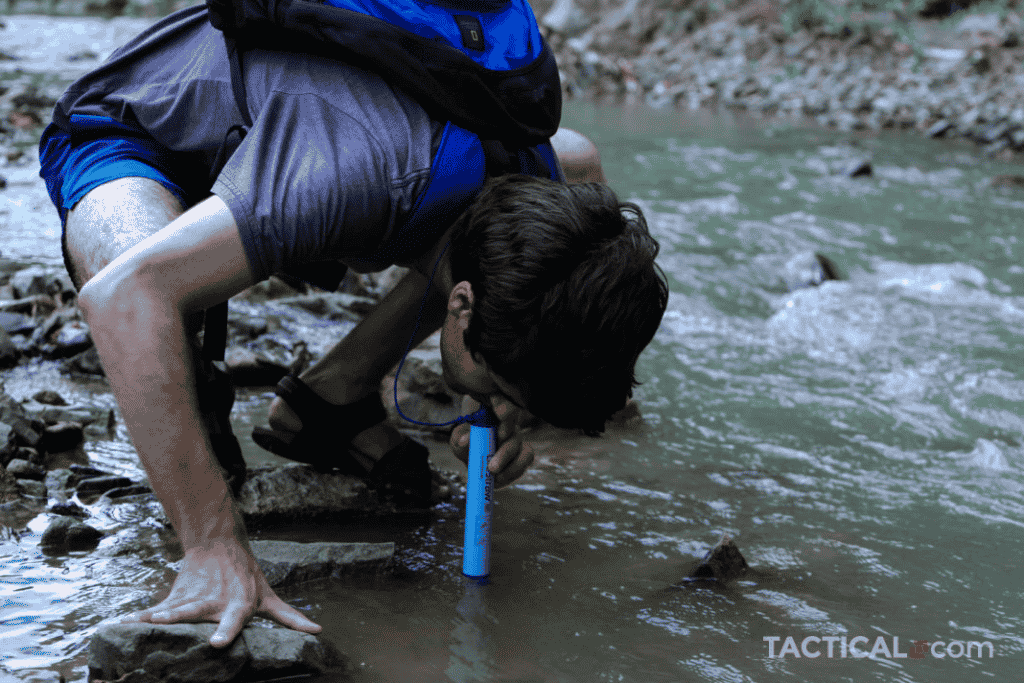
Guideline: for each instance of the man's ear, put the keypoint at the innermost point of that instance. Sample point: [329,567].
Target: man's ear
[460,302]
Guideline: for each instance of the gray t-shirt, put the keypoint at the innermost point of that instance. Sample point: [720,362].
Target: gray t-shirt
[334,161]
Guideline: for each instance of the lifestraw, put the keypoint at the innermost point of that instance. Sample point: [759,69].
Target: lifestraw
[476,548]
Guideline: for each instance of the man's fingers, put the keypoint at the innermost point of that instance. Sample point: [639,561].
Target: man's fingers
[460,442]
[232,621]
[283,613]
[516,467]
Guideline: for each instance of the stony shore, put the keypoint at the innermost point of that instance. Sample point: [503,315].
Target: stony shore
[958,76]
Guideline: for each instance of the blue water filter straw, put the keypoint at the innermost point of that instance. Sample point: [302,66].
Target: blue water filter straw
[476,549]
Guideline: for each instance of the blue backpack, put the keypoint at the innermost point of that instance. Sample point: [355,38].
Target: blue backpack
[480,65]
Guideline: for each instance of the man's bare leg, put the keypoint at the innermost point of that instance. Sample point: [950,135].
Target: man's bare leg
[113,218]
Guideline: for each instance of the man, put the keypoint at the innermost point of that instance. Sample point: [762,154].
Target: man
[332,165]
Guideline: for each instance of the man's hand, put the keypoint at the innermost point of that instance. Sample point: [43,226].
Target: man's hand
[512,457]
[222,584]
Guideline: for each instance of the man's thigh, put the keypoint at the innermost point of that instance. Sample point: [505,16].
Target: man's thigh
[112,218]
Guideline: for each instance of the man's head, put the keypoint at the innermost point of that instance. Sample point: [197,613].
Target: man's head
[561,294]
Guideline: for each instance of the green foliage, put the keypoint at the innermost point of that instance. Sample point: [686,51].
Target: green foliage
[850,16]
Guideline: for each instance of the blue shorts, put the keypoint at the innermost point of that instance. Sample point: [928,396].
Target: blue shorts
[101,150]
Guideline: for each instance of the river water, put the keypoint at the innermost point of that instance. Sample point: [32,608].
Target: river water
[860,441]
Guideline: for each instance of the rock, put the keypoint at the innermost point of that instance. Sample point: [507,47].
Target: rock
[271,288]
[286,563]
[72,338]
[58,483]
[67,533]
[8,487]
[722,563]
[9,352]
[23,469]
[13,415]
[8,443]
[30,454]
[38,305]
[86,471]
[31,487]
[373,285]
[68,510]
[939,128]
[29,281]
[61,436]
[62,459]
[119,494]
[249,326]
[857,168]
[94,486]
[158,653]
[41,338]
[248,368]
[16,323]
[82,55]
[50,398]
[87,362]
[566,18]
[81,413]
[297,491]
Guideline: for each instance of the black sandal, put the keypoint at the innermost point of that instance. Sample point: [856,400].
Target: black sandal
[402,474]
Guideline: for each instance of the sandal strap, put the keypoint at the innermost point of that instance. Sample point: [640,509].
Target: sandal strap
[313,410]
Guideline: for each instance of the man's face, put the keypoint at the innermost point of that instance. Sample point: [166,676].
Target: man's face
[464,373]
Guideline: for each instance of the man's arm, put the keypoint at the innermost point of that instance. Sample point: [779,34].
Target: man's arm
[135,308]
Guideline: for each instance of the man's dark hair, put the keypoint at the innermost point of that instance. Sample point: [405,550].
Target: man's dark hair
[566,293]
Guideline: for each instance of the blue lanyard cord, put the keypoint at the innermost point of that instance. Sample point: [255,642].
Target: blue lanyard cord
[481,418]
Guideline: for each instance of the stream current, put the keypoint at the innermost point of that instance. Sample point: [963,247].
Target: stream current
[860,441]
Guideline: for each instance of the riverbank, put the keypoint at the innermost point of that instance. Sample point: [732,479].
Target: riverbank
[957,76]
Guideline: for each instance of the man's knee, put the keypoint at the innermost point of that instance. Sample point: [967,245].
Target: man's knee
[578,156]
[111,219]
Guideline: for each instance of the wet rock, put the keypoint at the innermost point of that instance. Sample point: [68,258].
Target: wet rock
[248,326]
[13,415]
[152,653]
[16,323]
[285,563]
[66,509]
[72,338]
[249,368]
[271,288]
[297,491]
[23,469]
[29,281]
[67,533]
[62,436]
[373,285]
[37,305]
[724,562]
[94,486]
[63,459]
[939,128]
[31,487]
[87,363]
[9,492]
[122,493]
[81,413]
[565,17]
[30,454]
[59,482]
[9,352]
[8,443]
[87,471]
[858,168]
[48,397]
[41,338]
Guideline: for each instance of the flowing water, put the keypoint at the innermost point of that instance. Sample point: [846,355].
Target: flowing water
[861,442]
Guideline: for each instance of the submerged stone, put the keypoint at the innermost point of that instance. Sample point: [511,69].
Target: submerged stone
[724,562]
[285,562]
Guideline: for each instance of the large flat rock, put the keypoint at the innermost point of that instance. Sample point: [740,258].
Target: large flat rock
[181,653]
